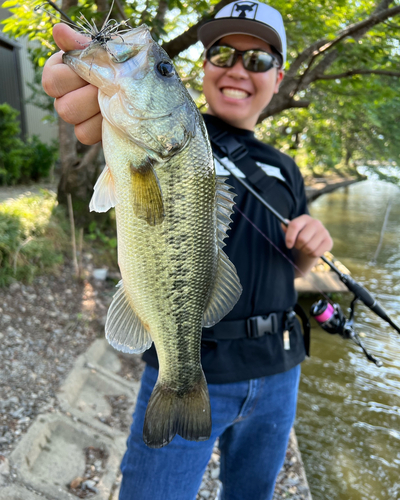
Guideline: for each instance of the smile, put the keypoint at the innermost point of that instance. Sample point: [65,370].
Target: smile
[235,93]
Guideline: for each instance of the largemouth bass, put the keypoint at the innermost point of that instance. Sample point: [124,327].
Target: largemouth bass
[172,216]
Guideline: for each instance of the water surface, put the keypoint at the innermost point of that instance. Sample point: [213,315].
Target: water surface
[348,422]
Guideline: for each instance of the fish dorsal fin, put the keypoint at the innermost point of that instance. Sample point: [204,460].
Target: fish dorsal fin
[124,329]
[147,197]
[224,208]
[227,288]
[104,193]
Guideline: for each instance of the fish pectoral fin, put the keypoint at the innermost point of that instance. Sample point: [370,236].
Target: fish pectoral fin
[124,329]
[225,292]
[147,197]
[170,412]
[104,193]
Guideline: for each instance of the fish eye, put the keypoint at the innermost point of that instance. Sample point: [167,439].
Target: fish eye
[165,68]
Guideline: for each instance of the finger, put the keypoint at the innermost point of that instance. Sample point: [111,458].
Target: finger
[89,132]
[58,79]
[325,246]
[308,238]
[79,105]
[293,229]
[68,39]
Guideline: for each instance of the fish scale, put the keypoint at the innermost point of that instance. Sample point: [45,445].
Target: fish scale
[172,215]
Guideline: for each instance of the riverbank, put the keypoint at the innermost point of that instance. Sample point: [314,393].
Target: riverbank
[316,187]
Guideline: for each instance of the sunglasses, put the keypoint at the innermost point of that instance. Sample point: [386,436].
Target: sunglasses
[254,60]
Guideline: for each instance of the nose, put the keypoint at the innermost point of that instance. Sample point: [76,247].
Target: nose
[238,70]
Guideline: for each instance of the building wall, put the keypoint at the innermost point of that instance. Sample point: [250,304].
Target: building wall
[33,115]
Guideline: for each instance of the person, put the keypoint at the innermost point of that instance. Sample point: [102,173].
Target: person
[252,372]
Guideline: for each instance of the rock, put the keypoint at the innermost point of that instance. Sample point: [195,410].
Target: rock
[14,287]
[205,493]
[18,413]
[9,402]
[75,483]
[215,473]
[90,485]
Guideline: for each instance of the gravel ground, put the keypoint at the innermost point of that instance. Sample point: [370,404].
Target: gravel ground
[44,327]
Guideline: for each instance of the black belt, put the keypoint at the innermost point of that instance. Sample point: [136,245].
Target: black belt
[258,326]
[254,327]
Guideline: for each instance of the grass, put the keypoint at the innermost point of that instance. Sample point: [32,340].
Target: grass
[33,237]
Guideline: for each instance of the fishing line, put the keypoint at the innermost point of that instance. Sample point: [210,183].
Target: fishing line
[304,275]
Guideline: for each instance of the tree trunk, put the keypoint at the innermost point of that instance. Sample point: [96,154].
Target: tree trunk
[80,164]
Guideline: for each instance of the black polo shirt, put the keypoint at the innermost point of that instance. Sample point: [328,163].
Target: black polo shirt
[266,276]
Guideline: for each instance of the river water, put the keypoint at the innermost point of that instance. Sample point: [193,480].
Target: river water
[348,420]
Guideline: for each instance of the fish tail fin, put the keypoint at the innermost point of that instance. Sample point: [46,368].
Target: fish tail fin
[170,412]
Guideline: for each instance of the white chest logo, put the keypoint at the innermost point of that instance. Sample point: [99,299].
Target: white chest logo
[268,169]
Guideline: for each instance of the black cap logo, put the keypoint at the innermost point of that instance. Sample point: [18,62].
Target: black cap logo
[245,10]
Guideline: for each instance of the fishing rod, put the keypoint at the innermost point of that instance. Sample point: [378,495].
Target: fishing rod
[330,316]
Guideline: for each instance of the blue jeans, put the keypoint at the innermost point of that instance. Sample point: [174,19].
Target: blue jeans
[252,420]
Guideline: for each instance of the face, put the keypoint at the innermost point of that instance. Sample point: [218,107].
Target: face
[236,95]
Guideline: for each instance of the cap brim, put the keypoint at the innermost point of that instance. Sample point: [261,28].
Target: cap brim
[211,31]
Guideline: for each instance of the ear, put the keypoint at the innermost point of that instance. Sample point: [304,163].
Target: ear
[279,77]
[204,63]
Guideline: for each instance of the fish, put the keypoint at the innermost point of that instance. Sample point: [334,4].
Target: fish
[172,215]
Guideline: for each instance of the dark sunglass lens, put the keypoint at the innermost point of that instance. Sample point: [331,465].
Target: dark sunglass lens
[221,56]
[257,61]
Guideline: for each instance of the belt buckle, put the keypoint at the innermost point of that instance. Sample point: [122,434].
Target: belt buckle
[258,326]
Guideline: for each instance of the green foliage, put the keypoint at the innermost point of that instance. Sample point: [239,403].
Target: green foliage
[97,234]
[33,236]
[102,242]
[351,119]
[19,161]
[350,122]
[11,146]
[39,158]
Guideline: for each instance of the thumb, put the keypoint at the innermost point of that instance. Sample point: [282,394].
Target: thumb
[284,227]
[68,39]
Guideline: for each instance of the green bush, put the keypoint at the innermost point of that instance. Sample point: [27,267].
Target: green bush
[11,146]
[19,161]
[33,237]
[39,159]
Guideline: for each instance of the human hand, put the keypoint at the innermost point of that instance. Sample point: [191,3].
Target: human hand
[308,236]
[75,99]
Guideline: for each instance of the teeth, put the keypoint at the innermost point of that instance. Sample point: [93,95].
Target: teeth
[235,93]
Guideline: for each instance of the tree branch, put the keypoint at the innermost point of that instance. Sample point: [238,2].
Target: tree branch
[120,9]
[189,37]
[319,47]
[278,105]
[159,19]
[359,72]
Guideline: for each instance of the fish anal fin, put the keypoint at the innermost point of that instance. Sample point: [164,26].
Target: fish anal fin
[170,412]
[104,196]
[124,329]
[147,197]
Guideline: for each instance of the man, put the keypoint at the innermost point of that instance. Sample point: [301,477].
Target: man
[252,358]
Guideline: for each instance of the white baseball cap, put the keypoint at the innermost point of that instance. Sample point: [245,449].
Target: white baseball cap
[246,18]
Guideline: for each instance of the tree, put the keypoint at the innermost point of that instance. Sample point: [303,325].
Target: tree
[354,42]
